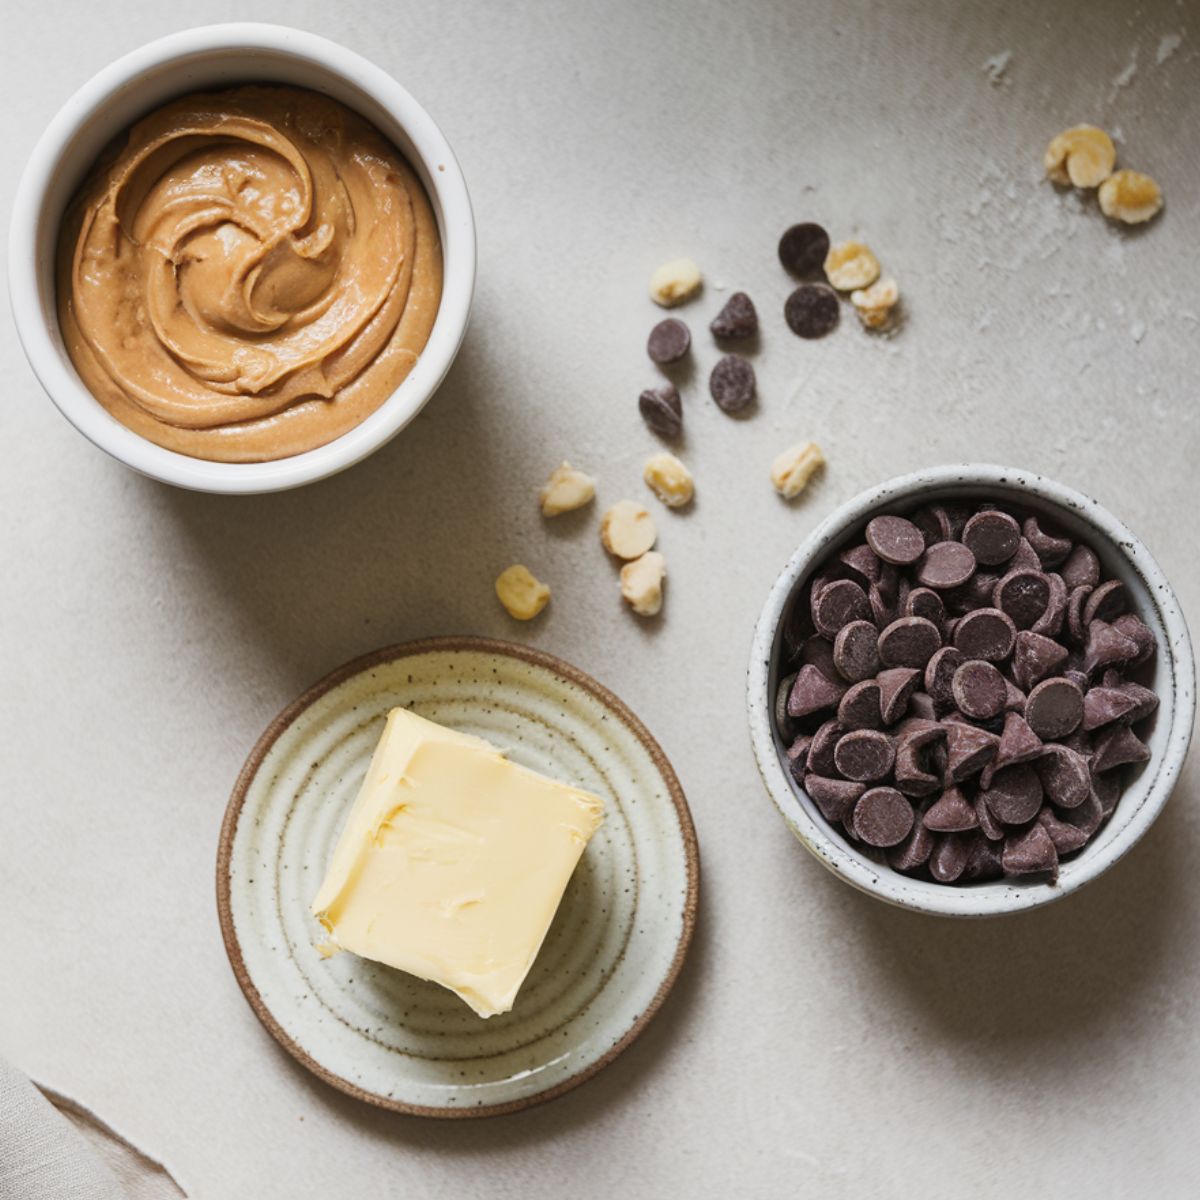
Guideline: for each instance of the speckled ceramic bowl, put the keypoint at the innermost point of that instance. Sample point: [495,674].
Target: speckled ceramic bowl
[1174,679]
[612,954]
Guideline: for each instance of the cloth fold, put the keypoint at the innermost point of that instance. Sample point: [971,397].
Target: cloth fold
[52,1148]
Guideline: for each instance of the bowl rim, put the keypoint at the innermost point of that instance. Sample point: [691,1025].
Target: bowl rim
[440,171]
[919,895]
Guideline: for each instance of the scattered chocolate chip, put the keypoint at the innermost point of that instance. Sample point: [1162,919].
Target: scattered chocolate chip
[986,633]
[1050,548]
[883,817]
[803,248]
[865,755]
[945,565]
[978,690]
[738,319]
[732,384]
[992,536]
[662,410]
[856,651]
[895,540]
[1054,708]
[669,341]
[812,310]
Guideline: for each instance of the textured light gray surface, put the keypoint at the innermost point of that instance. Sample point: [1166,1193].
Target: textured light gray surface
[817,1041]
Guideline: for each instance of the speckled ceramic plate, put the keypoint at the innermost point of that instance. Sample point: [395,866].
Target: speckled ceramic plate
[610,957]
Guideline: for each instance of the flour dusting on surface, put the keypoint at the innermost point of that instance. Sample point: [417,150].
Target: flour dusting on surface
[1169,44]
[997,67]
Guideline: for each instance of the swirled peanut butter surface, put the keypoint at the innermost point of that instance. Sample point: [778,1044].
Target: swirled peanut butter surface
[252,275]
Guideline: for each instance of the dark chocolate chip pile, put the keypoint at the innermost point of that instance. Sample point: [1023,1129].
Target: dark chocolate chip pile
[959,693]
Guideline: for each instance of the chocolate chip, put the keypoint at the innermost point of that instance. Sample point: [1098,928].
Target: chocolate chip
[1025,558]
[1105,646]
[856,651]
[1054,708]
[812,693]
[669,341]
[992,536]
[1107,790]
[1023,595]
[1050,623]
[895,540]
[1147,701]
[1086,817]
[797,756]
[839,604]
[1081,567]
[921,705]
[732,384]
[883,817]
[950,813]
[988,825]
[925,602]
[1050,548]
[913,852]
[948,859]
[865,755]
[913,776]
[978,690]
[909,642]
[817,652]
[1018,743]
[1029,853]
[1035,657]
[975,593]
[983,859]
[738,319]
[1117,746]
[934,523]
[1138,632]
[939,674]
[968,750]
[782,692]
[946,565]
[662,410]
[1014,794]
[1065,776]
[1103,705]
[859,707]
[1106,602]
[812,310]
[834,797]
[863,564]
[820,753]
[896,687]
[1076,602]
[1016,698]
[803,248]
[986,633]
[1066,838]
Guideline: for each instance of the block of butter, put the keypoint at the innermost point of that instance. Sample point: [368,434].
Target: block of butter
[453,861]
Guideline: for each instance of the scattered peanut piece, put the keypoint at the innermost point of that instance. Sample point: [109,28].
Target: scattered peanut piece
[669,480]
[674,282]
[641,583]
[521,593]
[875,305]
[850,265]
[1082,155]
[791,470]
[627,530]
[565,490]
[1131,197]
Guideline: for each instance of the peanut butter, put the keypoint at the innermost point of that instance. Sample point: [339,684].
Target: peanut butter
[251,276]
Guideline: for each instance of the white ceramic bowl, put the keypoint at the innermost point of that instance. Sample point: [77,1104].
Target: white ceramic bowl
[211,57]
[1174,679]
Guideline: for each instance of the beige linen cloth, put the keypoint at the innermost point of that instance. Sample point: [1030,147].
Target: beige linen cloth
[53,1149]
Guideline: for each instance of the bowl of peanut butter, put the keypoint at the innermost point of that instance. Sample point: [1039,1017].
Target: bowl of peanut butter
[242,258]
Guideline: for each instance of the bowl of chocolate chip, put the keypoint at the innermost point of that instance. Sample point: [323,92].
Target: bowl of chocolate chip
[971,691]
